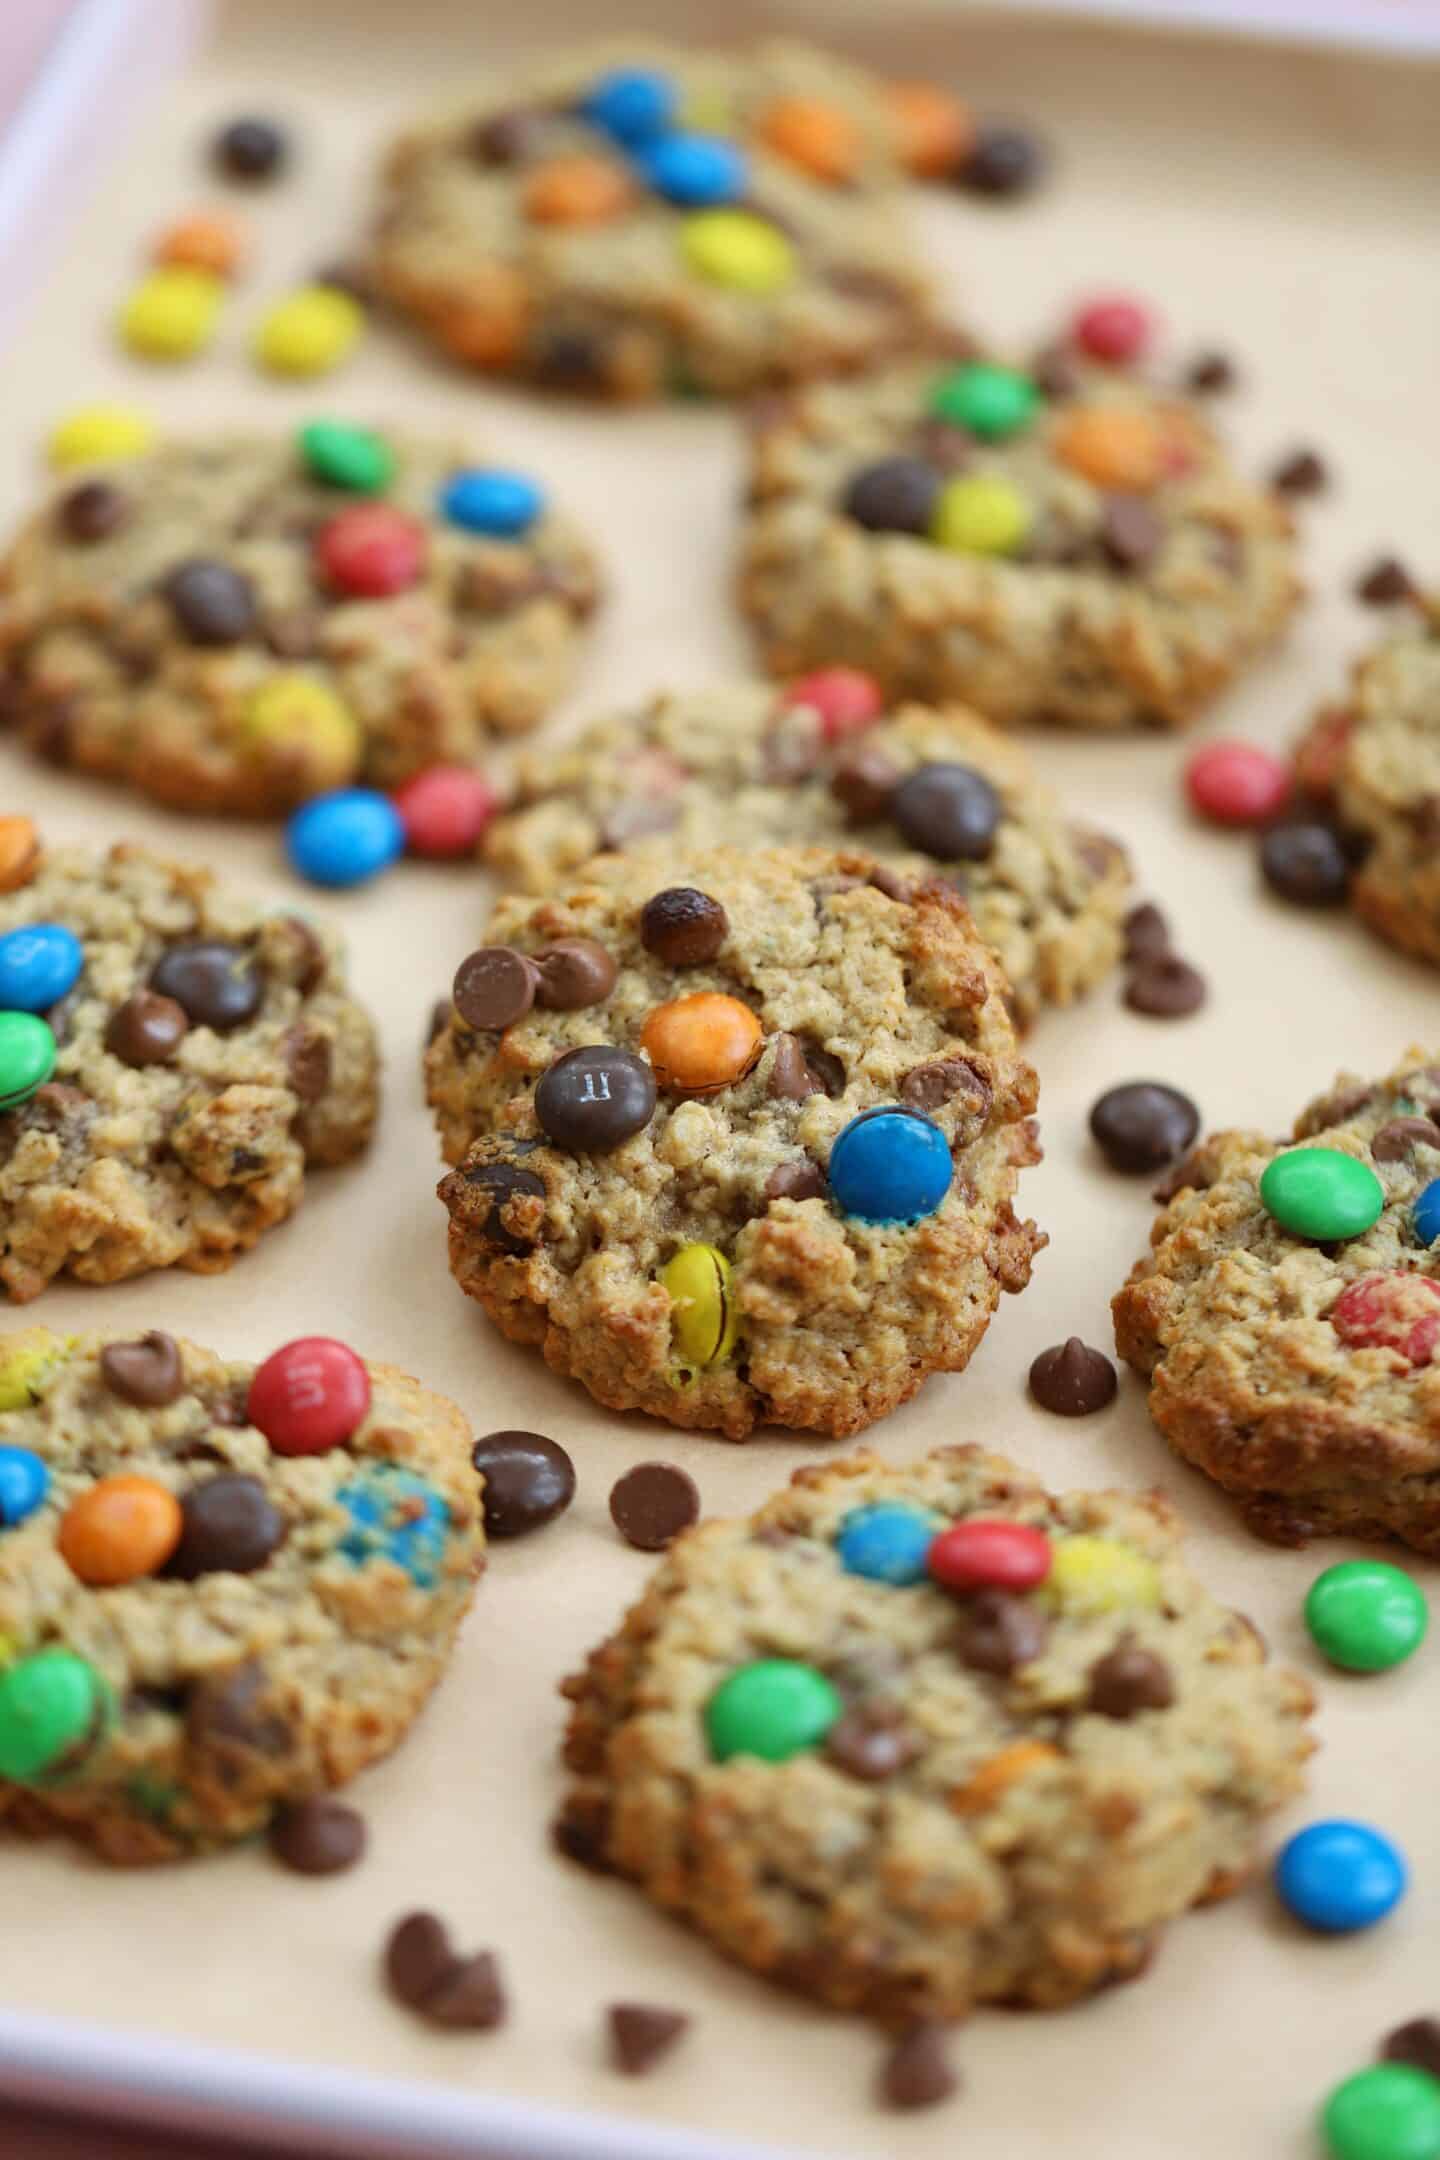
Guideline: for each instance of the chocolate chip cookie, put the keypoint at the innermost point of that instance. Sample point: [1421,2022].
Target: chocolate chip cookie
[237,623]
[223,1587]
[1287,1318]
[737,1143]
[931,792]
[172,1060]
[1062,542]
[637,220]
[913,1738]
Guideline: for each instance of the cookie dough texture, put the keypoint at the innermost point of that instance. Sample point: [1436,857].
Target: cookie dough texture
[692,770]
[112,1168]
[1028,1851]
[233,1694]
[1227,1320]
[100,672]
[613,309]
[838,1320]
[1059,632]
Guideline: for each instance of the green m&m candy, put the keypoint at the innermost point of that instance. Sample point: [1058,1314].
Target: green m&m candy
[348,457]
[27,1057]
[992,402]
[1321,1193]
[51,1705]
[1389,2112]
[1366,1615]
[775,1708]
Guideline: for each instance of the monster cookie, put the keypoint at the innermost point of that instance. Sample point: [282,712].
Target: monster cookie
[171,1061]
[821,761]
[736,1143]
[910,1739]
[223,1587]
[1065,543]
[1287,1318]
[236,624]
[634,221]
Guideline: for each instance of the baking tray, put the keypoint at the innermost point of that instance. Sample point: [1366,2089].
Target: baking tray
[1279,202]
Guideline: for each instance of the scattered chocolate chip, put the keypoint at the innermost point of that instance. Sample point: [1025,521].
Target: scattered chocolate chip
[250,149]
[1416,2043]
[1128,1679]
[1072,1379]
[319,1836]
[1130,532]
[917,2073]
[508,137]
[1165,988]
[864,780]
[470,1997]
[595,1099]
[228,1525]
[418,1956]
[1396,1141]
[998,1632]
[147,1029]
[795,1181]
[1302,473]
[640,2034]
[217,984]
[147,1373]
[872,1741]
[581,1838]
[1004,160]
[92,511]
[926,1087]
[529,1480]
[1305,864]
[573,973]
[485,1195]
[653,1503]
[213,604]
[897,494]
[1147,933]
[1056,373]
[948,810]
[638,820]
[308,1061]
[1210,373]
[1143,1125]
[683,926]
[494,987]
[1384,583]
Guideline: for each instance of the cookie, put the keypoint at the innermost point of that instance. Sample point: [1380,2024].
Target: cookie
[737,1144]
[1067,544]
[914,1738]
[636,220]
[1287,1318]
[172,1060]
[223,1587]
[235,624]
[692,770]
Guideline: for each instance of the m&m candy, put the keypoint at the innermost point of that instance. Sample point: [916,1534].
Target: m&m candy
[738,249]
[696,172]
[484,499]
[1321,1193]
[120,1529]
[304,723]
[346,456]
[24,1482]
[577,191]
[97,434]
[309,1396]
[1097,1574]
[980,514]
[886,1542]
[1425,1215]
[988,401]
[632,104]
[445,810]
[19,852]
[1237,783]
[51,1705]
[371,551]
[1112,446]
[1340,1876]
[846,699]
[889,1166]
[1113,329]
[27,1057]
[396,1516]
[703,1318]
[1365,1615]
[308,332]
[1389,2112]
[172,313]
[594,1099]
[986,1554]
[701,1042]
[773,1708]
[1399,1311]
[346,837]
[25,1360]
[38,964]
[206,240]
[820,138]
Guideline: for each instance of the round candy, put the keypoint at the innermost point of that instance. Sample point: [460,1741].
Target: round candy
[214,982]
[529,1480]
[305,723]
[398,1517]
[1425,1215]
[981,1554]
[889,1166]
[1119,450]
[846,699]
[1304,861]
[371,551]
[703,1318]
[1237,783]
[172,313]
[991,402]
[346,456]
[346,837]
[980,514]
[309,1396]
[1399,1311]
[701,1042]
[19,852]
[445,810]
[895,495]
[819,138]
[25,1360]
[24,1482]
[121,1529]
[309,331]
[1005,160]
[696,172]
[774,1708]
[208,240]
[887,1542]
[51,1705]
[1339,1876]
[37,966]
[485,499]
[229,1525]
[950,811]
[213,603]
[1095,1575]
[738,249]
[1114,330]
[632,104]
[1320,1193]
[27,1057]
[1365,1615]
[594,1099]
[1389,2112]
[95,434]
[577,190]
[250,149]
[934,129]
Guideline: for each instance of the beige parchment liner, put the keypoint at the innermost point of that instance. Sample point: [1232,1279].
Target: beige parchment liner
[1279,204]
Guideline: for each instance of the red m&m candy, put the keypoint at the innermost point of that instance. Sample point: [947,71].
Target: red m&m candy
[445,810]
[1236,783]
[846,699]
[987,1554]
[309,1396]
[1113,329]
[371,551]
[1399,1312]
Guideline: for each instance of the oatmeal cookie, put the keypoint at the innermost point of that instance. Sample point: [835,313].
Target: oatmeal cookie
[235,624]
[172,1059]
[223,1587]
[1287,1317]
[1066,543]
[737,1143]
[637,220]
[931,792]
[914,1738]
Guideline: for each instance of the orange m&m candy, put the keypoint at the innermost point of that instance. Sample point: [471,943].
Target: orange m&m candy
[19,852]
[1113,445]
[577,191]
[209,240]
[490,328]
[821,139]
[119,1530]
[703,1042]
[934,131]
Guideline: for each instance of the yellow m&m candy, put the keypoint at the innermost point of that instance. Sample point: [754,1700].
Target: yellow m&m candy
[1098,1575]
[977,514]
[172,313]
[295,717]
[309,332]
[25,1360]
[703,1318]
[94,434]
[736,248]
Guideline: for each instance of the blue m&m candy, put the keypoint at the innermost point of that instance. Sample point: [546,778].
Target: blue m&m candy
[396,1516]
[889,1166]
[1425,1215]
[485,499]
[37,966]
[345,838]
[696,171]
[24,1482]
[1338,1876]
[888,1542]
[632,104]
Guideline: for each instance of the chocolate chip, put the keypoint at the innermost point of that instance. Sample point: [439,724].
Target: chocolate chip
[638,820]
[529,1480]
[217,984]
[595,1099]
[509,137]
[309,959]
[926,1087]
[308,1061]
[92,511]
[893,885]
[1056,373]
[573,973]
[998,1632]
[295,634]
[1165,988]
[147,1029]
[944,445]
[1396,1141]
[484,1197]
[346,277]
[795,1181]
[228,1718]
[791,1078]
[319,1836]
[1210,373]
[250,149]
[213,604]
[683,926]
[1147,933]
[872,1741]
[640,2034]
[1130,532]
[1305,864]
[916,2072]
[864,780]
[1143,1125]
[1337,1109]
[1302,473]
[425,1974]
[470,1998]
[653,1503]
[439,1020]
[897,494]
[229,1525]
[948,810]
[1128,1679]
[494,987]
[1098,853]
[1004,160]
[571,359]
[1384,583]
[1072,1379]
[1416,2043]
[147,1373]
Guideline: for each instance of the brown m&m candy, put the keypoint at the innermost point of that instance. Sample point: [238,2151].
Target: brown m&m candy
[529,1480]
[92,511]
[594,1099]
[228,1525]
[494,987]
[213,604]
[217,984]
[147,1029]
[949,810]
[683,926]
[703,1042]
